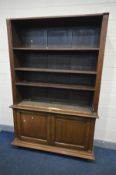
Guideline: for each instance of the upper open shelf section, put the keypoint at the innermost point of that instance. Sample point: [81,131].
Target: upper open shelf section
[81,33]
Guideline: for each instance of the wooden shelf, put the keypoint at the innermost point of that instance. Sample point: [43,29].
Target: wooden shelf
[54,85]
[54,49]
[53,106]
[55,70]
[57,17]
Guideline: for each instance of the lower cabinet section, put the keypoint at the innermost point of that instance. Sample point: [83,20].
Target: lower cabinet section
[69,135]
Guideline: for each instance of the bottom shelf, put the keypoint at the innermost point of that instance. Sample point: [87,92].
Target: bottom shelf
[64,151]
[55,107]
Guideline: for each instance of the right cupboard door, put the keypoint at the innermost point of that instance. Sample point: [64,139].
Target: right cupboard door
[73,132]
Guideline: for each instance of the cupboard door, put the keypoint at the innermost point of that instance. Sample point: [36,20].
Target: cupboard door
[72,132]
[32,126]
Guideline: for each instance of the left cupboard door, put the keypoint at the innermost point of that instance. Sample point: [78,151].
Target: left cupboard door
[32,126]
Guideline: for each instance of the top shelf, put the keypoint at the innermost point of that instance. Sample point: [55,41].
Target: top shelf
[54,49]
[57,17]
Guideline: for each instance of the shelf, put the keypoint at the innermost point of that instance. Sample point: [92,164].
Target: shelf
[52,106]
[55,70]
[54,85]
[57,17]
[54,49]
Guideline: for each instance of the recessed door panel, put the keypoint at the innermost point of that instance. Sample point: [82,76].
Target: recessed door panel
[72,133]
[33,126]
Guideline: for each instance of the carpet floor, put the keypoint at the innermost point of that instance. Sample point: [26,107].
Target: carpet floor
[19,161]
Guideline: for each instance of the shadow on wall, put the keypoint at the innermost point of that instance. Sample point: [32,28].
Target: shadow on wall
[107,107]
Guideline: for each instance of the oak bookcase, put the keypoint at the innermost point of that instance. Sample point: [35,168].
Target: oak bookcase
[56,66]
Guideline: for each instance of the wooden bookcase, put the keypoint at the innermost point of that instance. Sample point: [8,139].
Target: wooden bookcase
[56,66]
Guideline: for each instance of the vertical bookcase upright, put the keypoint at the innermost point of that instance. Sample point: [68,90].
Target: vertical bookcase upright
[56,66]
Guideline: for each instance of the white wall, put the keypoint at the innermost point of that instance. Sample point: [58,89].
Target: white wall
[106,125]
